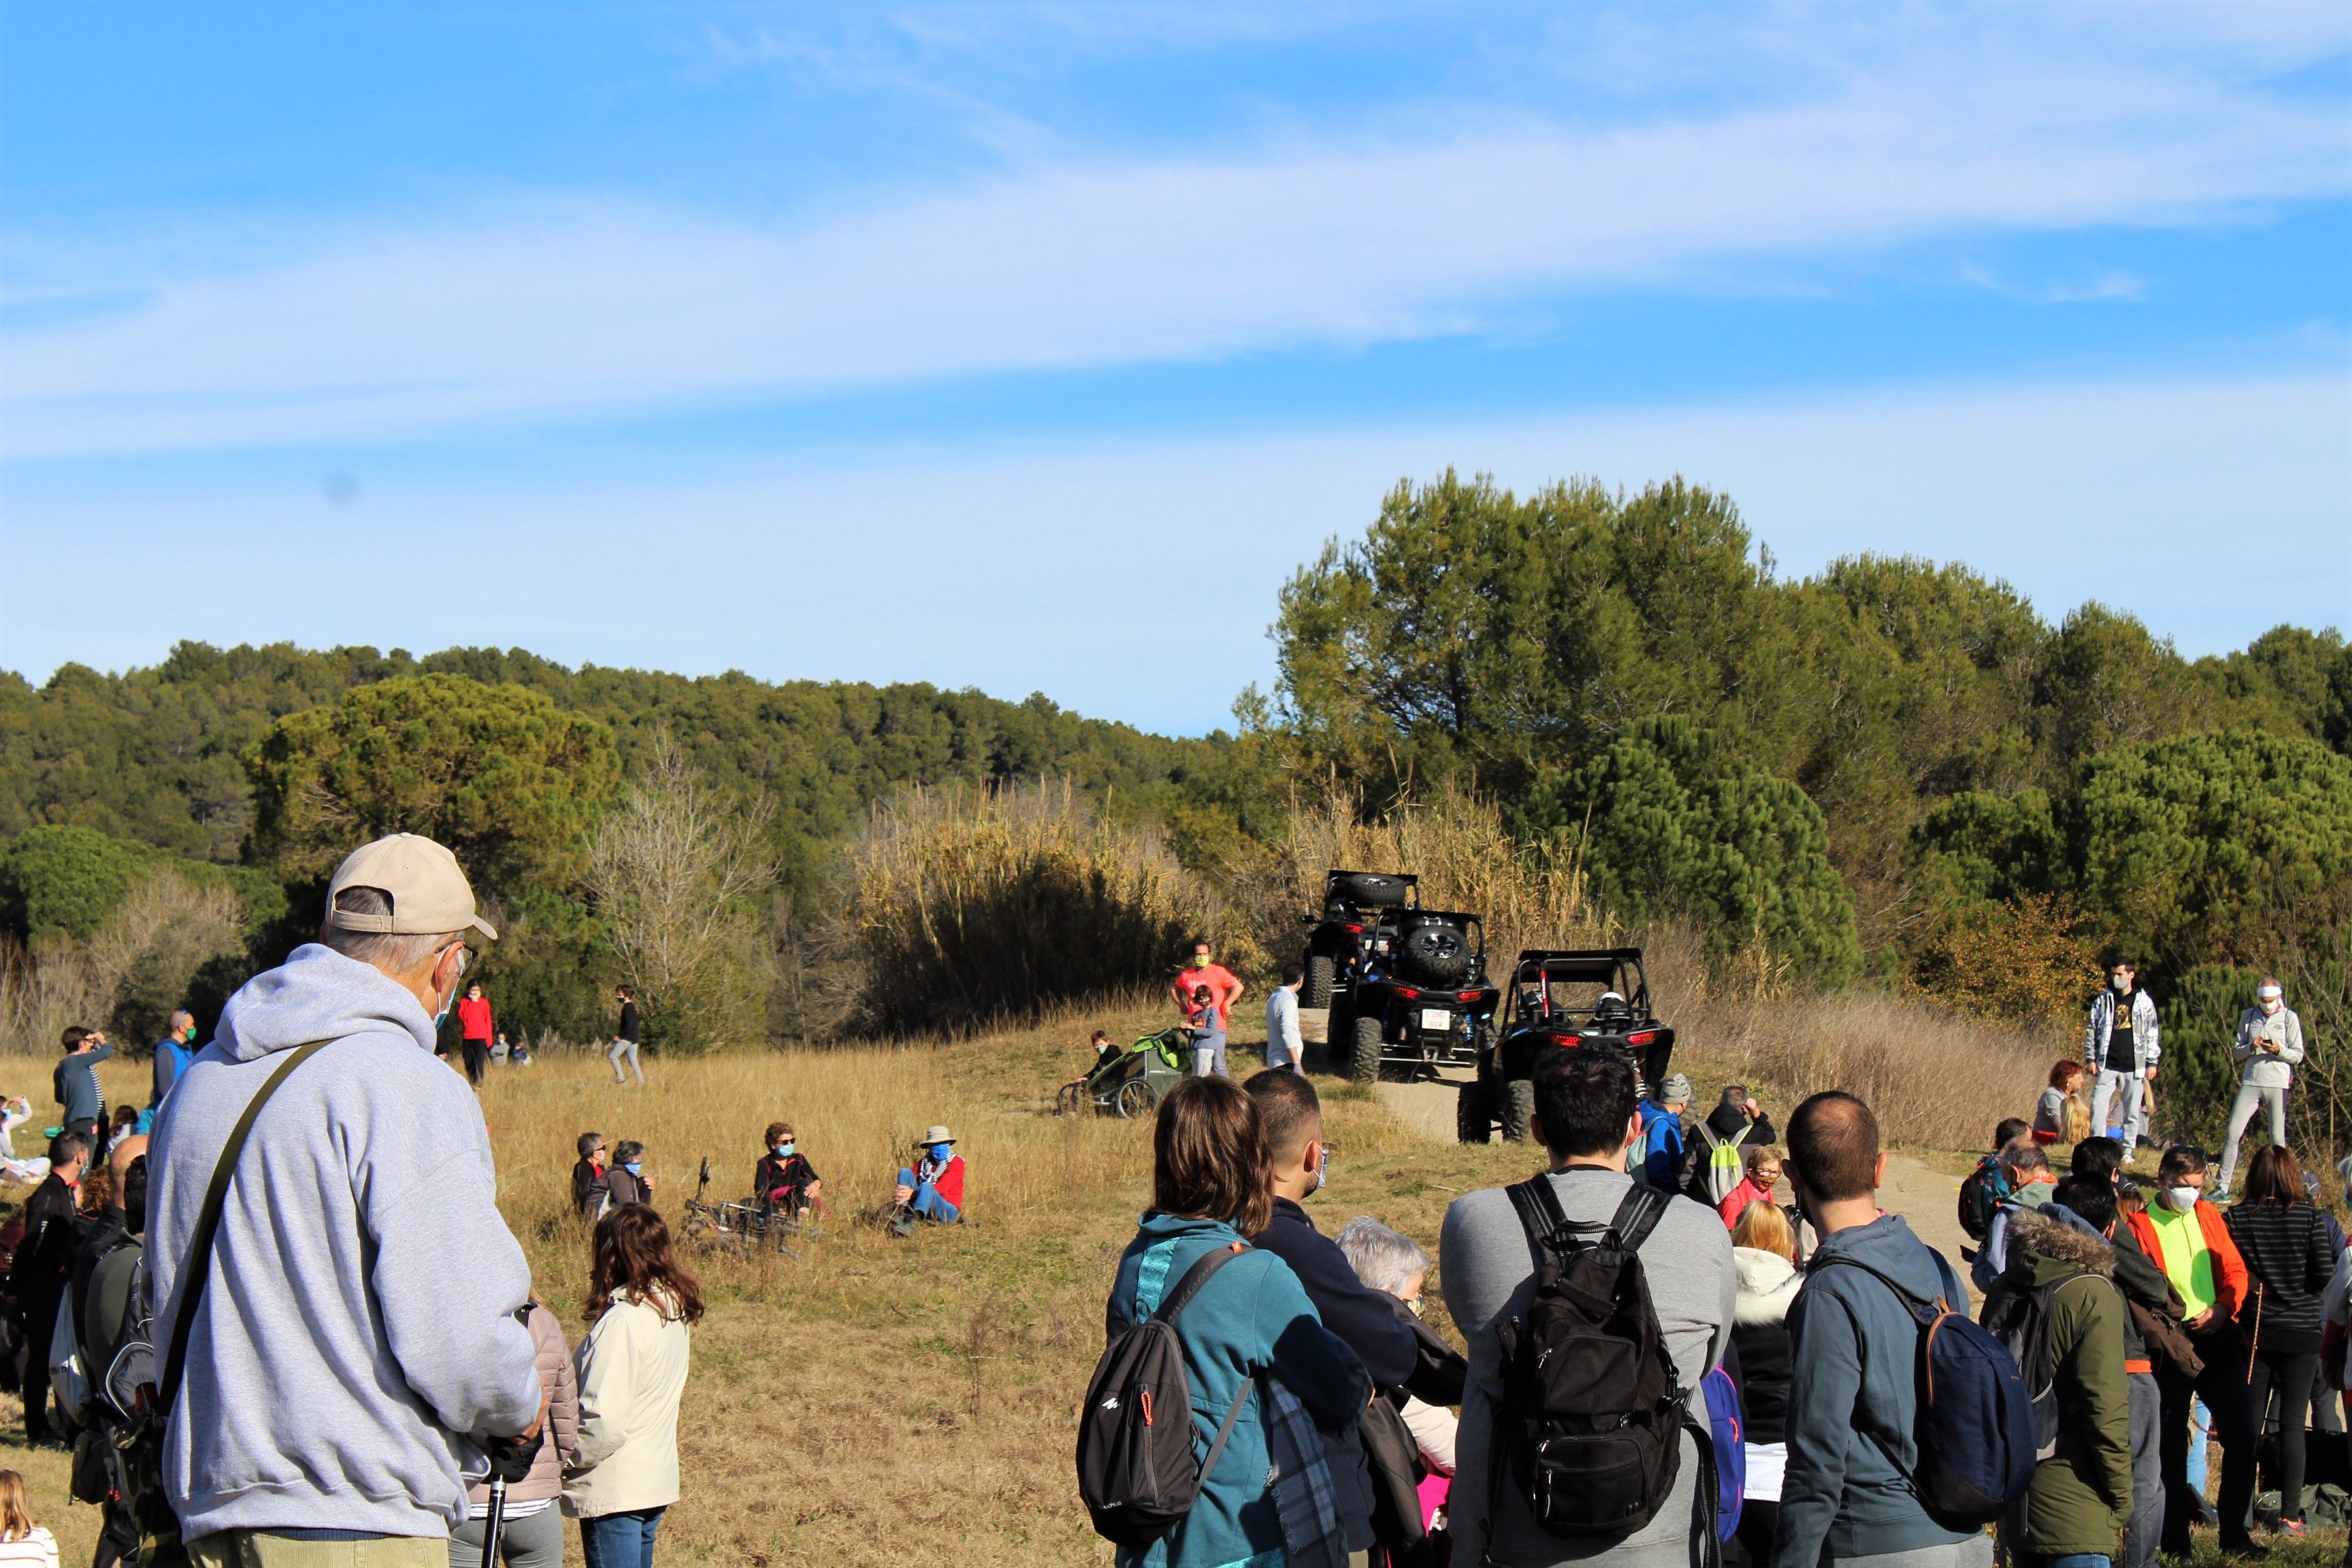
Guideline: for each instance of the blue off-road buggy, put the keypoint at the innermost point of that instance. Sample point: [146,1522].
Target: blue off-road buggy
[1130,1082]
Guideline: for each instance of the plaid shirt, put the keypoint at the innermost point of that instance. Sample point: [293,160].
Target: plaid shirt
[1300,1478]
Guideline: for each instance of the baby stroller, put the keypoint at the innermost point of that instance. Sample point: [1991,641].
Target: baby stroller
[1130,1082]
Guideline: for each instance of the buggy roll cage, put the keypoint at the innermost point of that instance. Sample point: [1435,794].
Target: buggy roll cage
[1607,966]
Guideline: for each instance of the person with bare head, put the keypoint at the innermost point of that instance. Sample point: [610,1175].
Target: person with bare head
[42,1267]
[2120,1044]
[334,1381]
[1587,1116]
[1853,1419]
[173,1052]
[1246,1324]
[625,1036]
[2289,1257]
[75,1081]
[2030,1182]
[632,1373]
[1299,1156]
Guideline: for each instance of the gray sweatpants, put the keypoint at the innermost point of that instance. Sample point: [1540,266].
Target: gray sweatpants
[2242,1111]
[2144,1531]
[2111,1086]
[1976,1552]
[614,1056]
[534,1541]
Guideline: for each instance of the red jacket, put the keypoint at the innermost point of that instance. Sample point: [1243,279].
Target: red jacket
[948,1182]
[474,1018]
[2229,1267]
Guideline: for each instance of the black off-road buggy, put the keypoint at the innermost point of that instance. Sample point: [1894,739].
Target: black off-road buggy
[1580,999]
[1406,987]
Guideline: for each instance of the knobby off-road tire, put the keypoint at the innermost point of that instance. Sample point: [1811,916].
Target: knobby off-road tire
[1518,1104]
[1473,1123]
[1371,890]
[1364,1056]
[1436,955]
[1134,1099]
[1317,992]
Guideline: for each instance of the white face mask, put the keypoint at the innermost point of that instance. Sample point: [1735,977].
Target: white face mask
[2182,1199]
[2271,1006]
[2122,983]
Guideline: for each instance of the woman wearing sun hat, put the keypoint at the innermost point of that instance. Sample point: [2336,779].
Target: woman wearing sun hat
[932,1189]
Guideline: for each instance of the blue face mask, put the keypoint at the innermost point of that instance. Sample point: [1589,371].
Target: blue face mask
[783,1150]
[942,1153]
[635,1168]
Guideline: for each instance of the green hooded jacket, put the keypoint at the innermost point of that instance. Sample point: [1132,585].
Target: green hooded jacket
[2082,1494]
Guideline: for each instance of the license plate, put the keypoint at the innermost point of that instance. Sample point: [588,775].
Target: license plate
[1436,1018]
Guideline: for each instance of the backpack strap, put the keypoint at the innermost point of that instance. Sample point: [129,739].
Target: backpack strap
[197,1271]
[1550,1232]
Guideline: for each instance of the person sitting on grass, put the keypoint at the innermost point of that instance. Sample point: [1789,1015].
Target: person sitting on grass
[784,1179]
[627,1180]
[2051,1121]
[932,1189]
[589,1188]
[22,1541]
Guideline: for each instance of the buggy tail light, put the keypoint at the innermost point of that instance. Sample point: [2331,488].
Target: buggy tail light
[1644,1038]
[1465,996]
[1355,931]
[1409,993]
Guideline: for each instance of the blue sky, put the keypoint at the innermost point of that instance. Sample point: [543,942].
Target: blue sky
[1032,346]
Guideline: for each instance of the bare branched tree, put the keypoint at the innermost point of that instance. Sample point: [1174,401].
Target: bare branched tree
[671,866]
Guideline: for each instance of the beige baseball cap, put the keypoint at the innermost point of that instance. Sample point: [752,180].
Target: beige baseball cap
[429,891]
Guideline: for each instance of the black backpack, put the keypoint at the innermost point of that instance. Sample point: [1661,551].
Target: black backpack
[1592,1411]
[1135,1469]
[2018,1317]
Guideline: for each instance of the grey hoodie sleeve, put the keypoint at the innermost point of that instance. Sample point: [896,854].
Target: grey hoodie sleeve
[1824,1381]
[2291,1050]
[431,1202]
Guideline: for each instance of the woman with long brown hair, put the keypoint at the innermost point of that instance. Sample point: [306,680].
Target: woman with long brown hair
[2289,1257]
[1252,1320]
[632,1372]
[22,1541]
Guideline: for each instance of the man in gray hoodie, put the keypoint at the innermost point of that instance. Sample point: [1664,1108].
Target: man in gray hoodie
[1853,1376]
[1587,1115]
[360,1335]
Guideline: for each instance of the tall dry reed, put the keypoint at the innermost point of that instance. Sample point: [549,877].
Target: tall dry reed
[967,906]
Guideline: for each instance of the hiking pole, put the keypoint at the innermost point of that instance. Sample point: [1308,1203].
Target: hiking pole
[495,1525]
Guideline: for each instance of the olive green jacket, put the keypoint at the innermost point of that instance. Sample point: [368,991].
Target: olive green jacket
[2082,1494]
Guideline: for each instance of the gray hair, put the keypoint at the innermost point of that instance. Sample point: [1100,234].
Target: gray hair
[1380,1258]
[2024,1156]
[393,954]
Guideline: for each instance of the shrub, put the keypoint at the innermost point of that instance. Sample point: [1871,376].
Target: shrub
[968,906]
[1666,823]
[2028,962]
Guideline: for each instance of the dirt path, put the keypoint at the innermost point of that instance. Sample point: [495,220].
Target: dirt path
[1924,1196]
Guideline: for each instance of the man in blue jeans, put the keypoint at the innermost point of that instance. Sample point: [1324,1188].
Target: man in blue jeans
[933,1189]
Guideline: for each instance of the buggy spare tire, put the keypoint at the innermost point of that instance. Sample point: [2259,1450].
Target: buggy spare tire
[1436,953]
[1473,1123]
[1364,1058]
[1371,890]
[1518,1104]
[1317,992]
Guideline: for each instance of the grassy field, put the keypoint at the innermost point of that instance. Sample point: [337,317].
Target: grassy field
[877,1401]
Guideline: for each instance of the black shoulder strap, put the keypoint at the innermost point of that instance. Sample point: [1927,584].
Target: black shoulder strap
[1549,1230]
[1188,1287]
[1637,1216]
[197,1271]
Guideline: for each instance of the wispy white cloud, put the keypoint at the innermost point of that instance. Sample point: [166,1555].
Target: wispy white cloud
[559,305]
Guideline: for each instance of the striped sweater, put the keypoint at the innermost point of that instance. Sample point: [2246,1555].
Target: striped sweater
[2288,1258]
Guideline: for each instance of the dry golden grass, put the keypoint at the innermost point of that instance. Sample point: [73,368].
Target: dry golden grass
[876,1401]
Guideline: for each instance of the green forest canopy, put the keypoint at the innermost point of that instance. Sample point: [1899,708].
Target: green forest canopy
[1845,768]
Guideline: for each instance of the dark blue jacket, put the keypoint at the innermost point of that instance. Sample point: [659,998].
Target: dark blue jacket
[1366,1320]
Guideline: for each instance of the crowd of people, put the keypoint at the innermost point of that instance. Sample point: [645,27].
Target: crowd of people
[318,1384]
